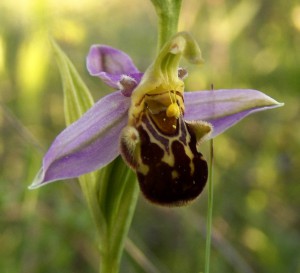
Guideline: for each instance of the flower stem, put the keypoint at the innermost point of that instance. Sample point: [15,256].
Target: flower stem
[109,264]
[209,210]
[168,15]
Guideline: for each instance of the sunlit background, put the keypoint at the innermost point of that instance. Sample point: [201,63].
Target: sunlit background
[246,44]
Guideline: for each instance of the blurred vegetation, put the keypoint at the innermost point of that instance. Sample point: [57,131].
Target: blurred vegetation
[249,43]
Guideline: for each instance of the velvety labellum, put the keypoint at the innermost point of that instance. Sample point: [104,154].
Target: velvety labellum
[162,149]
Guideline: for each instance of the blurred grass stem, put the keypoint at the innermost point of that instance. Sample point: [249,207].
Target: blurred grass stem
[209,209]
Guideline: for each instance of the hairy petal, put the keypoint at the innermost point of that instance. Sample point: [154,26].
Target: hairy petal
[225,107]
[88,144]
[110,64]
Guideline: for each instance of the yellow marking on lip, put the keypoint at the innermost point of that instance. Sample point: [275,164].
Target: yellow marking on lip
[143,168]
[175,174]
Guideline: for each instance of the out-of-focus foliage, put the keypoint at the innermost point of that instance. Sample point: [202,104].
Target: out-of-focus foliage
[247,43]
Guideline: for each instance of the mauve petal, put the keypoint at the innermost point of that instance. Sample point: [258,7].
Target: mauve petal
[222,124]
[225,107]
[88,144]
[109,64]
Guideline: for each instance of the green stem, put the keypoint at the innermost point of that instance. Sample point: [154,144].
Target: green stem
[117,196]
[108,264]
[209,210]
[168,15]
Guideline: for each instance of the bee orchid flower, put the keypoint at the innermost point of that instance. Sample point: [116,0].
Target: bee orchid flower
[150,120]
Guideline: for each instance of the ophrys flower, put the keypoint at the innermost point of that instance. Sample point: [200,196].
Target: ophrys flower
[151,122]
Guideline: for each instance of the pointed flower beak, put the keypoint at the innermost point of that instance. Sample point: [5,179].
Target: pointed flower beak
[93,141]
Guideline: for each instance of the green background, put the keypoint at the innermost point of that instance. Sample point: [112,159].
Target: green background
[246,44]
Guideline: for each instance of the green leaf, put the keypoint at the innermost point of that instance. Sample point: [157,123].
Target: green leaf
[111,192]
[77,97]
